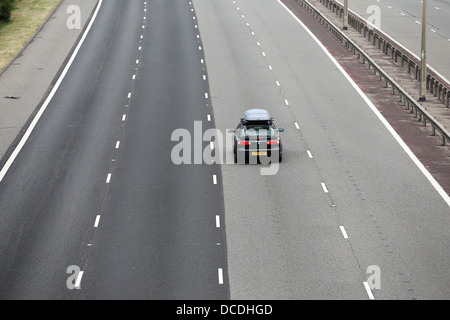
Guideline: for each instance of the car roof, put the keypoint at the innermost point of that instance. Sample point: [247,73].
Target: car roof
[256,115]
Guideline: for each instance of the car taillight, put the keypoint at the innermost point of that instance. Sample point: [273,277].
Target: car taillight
[273,142]
[244,143]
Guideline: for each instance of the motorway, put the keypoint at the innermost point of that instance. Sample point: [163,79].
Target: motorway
[402,20]
[95,185]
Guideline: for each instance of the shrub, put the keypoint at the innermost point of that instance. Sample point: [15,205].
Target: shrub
[5,9]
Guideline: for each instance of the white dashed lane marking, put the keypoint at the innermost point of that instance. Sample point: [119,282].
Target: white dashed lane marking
[368,290]
[344,233]
[220,275]
[97,221]
[78,280]
[217,221]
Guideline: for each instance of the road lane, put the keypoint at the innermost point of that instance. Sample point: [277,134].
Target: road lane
[289,243]
[134,223]
[159,238]
[283,238]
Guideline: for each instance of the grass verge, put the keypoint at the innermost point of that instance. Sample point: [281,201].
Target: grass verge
[26,18]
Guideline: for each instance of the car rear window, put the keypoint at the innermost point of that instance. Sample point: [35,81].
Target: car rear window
[258,130]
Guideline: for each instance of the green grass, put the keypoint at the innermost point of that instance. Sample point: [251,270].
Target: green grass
[27,17]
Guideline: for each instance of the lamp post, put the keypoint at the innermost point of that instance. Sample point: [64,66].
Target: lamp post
[345,15]
[423,68]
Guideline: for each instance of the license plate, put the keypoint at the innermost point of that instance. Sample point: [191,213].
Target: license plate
[259,153]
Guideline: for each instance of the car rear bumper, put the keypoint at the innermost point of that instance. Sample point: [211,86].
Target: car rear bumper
[264,156]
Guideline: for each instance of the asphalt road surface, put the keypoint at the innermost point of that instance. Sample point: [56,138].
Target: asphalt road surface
[95,187]
[284,233]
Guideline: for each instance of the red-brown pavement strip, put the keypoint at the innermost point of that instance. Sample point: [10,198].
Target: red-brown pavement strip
[426,147]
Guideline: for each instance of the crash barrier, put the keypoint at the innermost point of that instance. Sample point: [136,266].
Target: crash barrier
[419,112]
[434,83]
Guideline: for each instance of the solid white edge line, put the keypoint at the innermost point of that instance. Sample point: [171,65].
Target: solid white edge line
[49,98]
[408,151]
[369,291]
[344,233]
[78,280]
[220,275]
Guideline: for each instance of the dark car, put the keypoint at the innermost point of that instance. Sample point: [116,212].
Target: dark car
[256,139]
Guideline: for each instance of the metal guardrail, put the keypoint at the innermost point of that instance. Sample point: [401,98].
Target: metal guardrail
[435,84]
[405,98]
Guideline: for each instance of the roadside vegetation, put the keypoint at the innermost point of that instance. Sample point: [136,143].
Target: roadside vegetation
[19,20]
